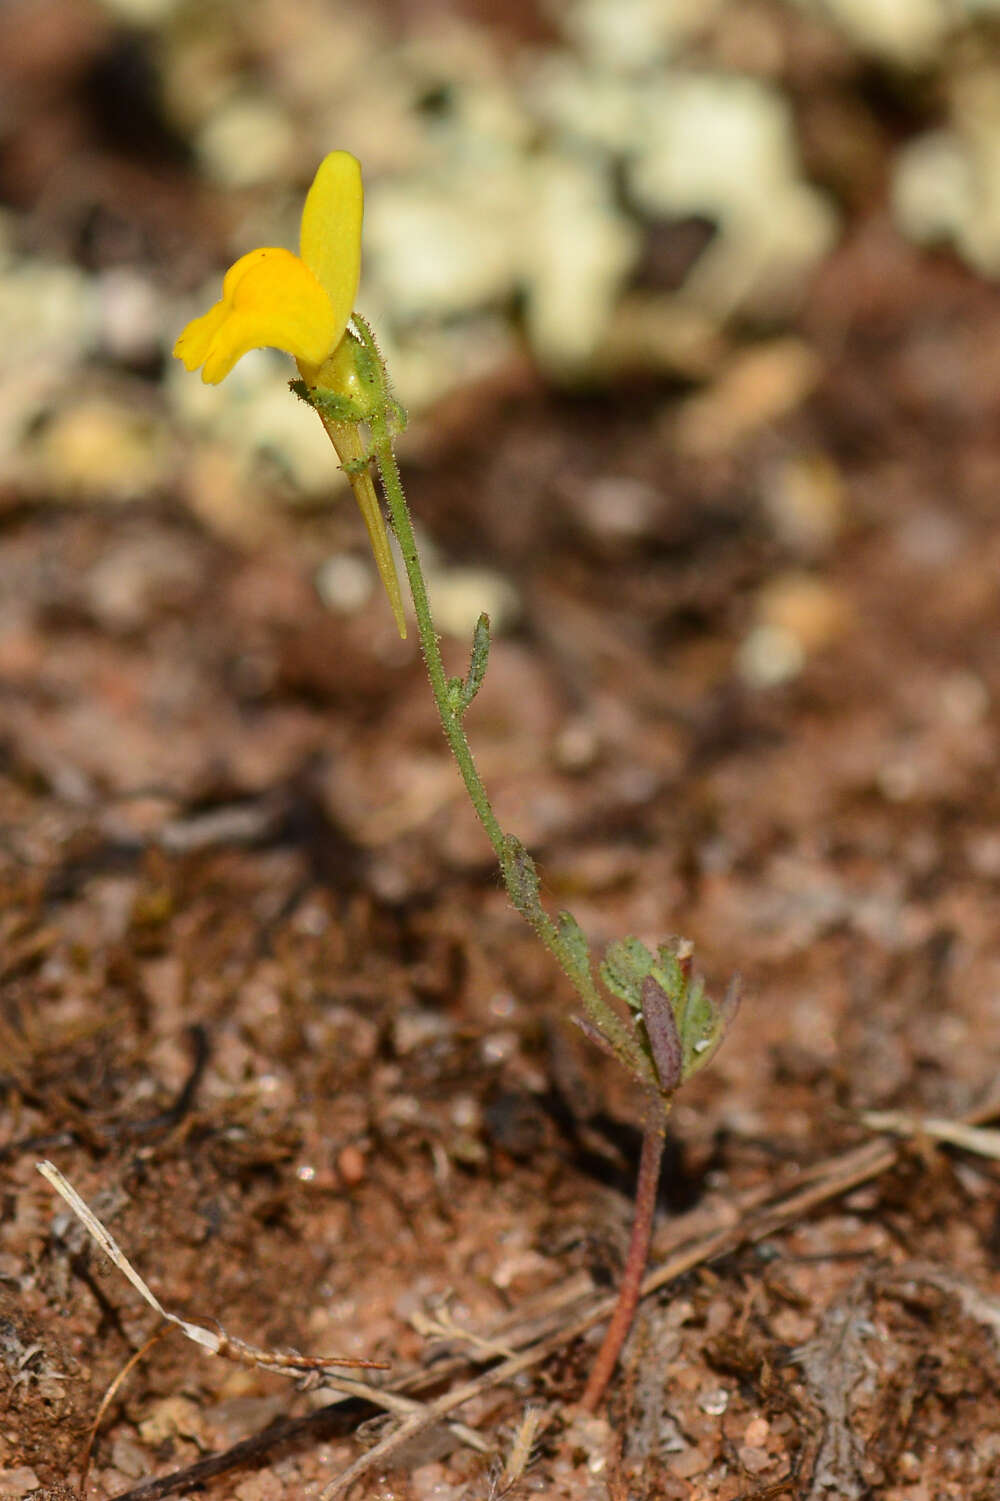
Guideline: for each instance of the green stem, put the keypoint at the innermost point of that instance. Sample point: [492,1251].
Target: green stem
[450,720]
[516,864]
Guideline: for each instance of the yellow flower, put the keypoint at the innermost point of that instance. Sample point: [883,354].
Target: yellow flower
[299,303]
[302,304]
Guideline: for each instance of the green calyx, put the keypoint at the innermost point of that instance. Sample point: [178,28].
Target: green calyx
[353,387]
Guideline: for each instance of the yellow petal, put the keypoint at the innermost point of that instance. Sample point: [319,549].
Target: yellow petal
[193,343]
[330,237]
[269,297]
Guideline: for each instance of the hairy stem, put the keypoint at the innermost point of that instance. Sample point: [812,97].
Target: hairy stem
[516,864]
[450,720]
[635,1262]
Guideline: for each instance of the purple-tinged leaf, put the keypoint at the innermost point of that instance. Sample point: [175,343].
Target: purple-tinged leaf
[664,1039]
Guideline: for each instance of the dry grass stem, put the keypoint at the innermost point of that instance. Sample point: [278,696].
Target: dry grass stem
[109,1397]
[978,1139]
[216,1342]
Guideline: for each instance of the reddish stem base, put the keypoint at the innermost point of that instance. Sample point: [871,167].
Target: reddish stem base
[635,1263]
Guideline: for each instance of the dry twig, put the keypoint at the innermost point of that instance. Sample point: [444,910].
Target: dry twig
[978,1139]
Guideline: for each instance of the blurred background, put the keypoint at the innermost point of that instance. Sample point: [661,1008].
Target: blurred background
[575,193]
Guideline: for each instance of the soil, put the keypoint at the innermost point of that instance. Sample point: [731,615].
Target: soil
[266,1006]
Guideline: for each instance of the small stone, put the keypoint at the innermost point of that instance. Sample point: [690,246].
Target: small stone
[576,746]
[131,318]
[759,387]
[756,1432]
[345,583]
[97,450]
[804,499]
[351,1166]
[16,1483]
[769,657]
[930,538]
[264,1486]
[47,312]
[579,249]
[629,34]
[247,415]
[460,595]
[691,1462]
[415,1029]
[174,1417]
[127,1456]
[618,507]
[808,608]
[466,1113]
[744,176]
[754,1461]
[141,12]
[430,1482]
[907,31]
[798,614]
[965,699]
[714,1401]
[982,850]
[247,141]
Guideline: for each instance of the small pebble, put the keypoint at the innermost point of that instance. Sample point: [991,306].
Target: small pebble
[460,595]
[760,386]
[415,1029]
[769,657]
[173,1417]
[805,502]
[98,450]
[754,1461]
[798,614]
[351,1165]
[690,1462]
[756,1432]
[126,1455]
[264,1486]
[247,141]
[131,317]
[576,746]
[345,583]
[16,1483]
[618,507]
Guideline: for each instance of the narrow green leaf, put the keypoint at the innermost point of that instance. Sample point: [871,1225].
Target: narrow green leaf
[521,878]
[574,943]
[477,664]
